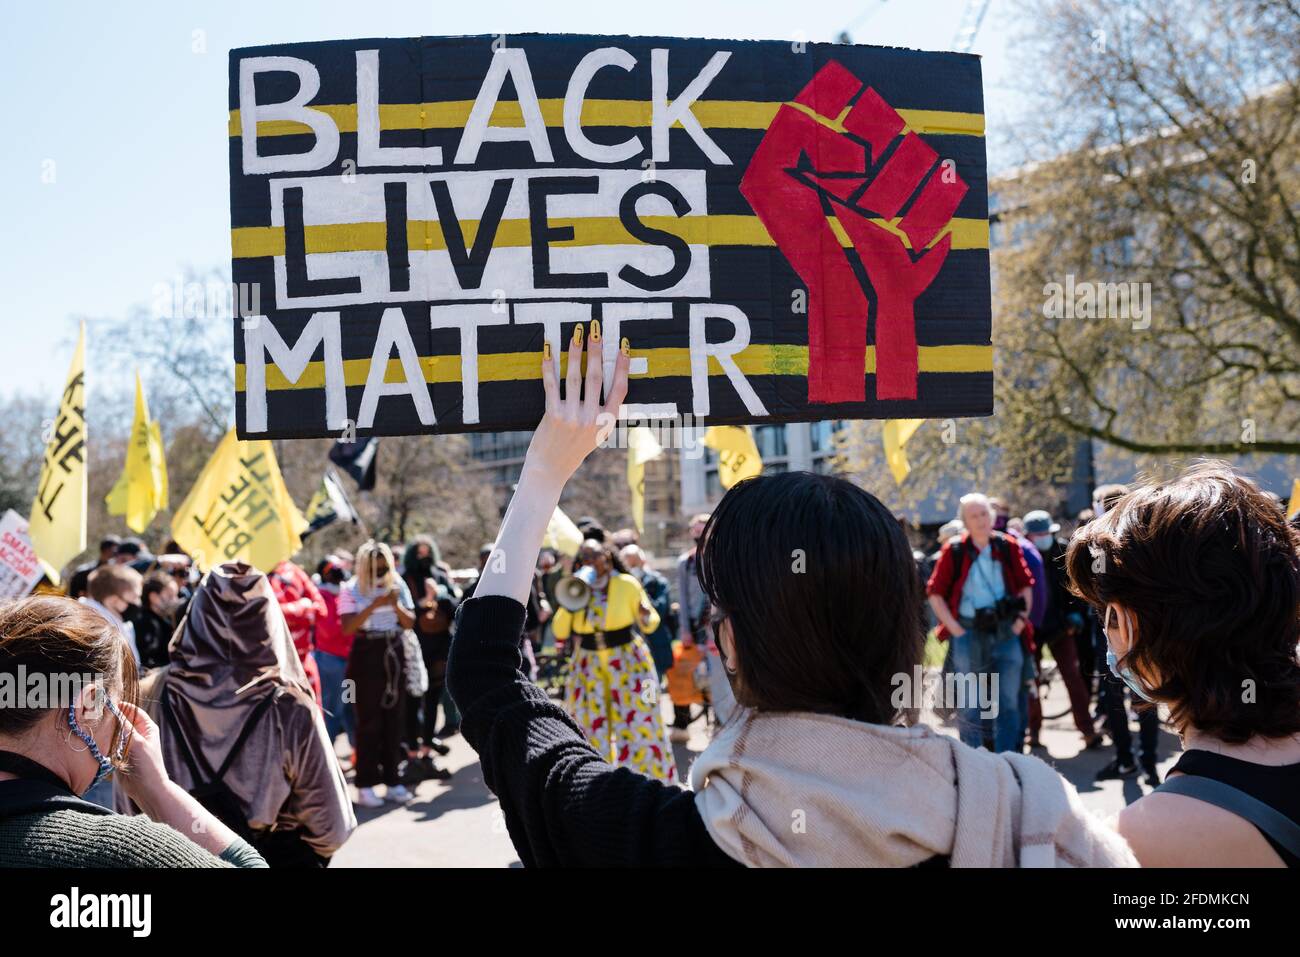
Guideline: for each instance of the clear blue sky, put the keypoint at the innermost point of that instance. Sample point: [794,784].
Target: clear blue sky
[135,124]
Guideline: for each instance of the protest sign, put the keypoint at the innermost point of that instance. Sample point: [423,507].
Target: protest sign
[239,510]
[783,231]
[20,569]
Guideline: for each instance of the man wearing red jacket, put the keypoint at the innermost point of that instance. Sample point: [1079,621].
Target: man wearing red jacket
[302,604]
[981,591]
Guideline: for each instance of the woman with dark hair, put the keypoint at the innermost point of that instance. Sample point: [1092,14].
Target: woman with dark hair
[1197,585]
[818,618]
[612,686]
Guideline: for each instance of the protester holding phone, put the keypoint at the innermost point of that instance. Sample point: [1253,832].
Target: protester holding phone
[376,607]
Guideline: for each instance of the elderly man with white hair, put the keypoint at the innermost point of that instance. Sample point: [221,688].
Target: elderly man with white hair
[981,591]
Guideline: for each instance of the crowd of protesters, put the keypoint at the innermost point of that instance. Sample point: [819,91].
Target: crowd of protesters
[1000,593]
[241,699]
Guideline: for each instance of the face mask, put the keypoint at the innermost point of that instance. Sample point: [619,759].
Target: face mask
[105,764]
[1125,674]
[638,573]
[1043,542]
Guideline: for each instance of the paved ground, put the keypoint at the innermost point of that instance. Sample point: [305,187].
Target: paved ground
[458,823]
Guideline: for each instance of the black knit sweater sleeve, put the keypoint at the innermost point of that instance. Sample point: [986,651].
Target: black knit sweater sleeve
[564,805]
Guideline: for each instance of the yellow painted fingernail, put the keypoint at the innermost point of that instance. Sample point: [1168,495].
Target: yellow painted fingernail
[624,347]
[546,350]
[577,334]
[595,330]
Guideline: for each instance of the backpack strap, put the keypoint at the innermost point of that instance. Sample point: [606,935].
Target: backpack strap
[194,759]
[1265,817]
[963,554]
[187,754]
[244,733]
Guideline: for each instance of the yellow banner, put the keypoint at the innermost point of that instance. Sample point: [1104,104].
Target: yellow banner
[141,490]
[642,446]
[561,534]
[239,509]
[738,457]
[895,434]
[57,526]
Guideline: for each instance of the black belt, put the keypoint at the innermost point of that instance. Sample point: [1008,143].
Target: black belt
[601,640]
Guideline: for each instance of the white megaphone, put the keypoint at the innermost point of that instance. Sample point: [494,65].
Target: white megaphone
[574,591]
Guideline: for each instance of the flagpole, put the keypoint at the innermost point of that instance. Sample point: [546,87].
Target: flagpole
[344,492]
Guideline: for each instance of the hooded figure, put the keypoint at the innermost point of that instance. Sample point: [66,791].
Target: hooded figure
[232,652]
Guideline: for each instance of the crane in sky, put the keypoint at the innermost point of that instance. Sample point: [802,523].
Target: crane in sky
[970,25]
[962,42]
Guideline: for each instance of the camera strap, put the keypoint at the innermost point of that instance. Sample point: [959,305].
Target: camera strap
[975,564]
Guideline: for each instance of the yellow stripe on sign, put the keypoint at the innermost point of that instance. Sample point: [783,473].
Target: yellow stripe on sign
[249,242]
[711,114]
[757,360]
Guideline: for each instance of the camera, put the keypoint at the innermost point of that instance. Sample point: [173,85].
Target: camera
[1006,608]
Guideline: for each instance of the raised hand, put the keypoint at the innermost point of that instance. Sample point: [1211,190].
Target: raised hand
[575,423]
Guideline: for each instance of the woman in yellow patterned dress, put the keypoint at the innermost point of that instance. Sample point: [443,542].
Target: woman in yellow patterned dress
[612,689]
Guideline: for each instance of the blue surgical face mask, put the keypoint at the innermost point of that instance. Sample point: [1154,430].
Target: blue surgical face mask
[1043,542]
[1124,674]
[105,764]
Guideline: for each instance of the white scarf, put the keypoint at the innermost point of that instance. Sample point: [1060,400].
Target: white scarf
[808,790]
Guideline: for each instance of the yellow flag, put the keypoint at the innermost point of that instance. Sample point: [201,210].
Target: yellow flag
[738,457]
[58,522]
[141,490]
[239,509]
[561,534]
[895,434]
[642,446]
[1293,507]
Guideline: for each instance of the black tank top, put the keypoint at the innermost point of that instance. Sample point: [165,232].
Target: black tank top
[1278,786]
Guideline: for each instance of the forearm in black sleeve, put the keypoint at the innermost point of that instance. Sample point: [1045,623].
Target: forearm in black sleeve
[563,804]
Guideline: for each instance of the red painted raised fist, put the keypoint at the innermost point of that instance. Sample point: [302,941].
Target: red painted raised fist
[839,154]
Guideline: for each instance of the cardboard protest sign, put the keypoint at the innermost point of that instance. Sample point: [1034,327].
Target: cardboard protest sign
[783,231]
[20,569]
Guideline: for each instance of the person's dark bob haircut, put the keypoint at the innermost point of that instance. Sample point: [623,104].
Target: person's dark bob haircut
[822,592]
[1210,569]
